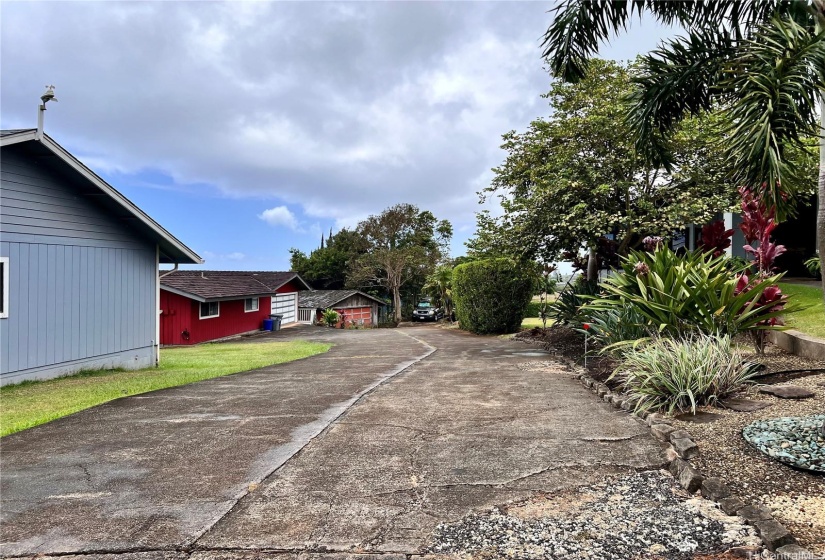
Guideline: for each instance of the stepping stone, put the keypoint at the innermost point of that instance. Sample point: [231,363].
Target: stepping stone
[787,391]
[700,417]
[744,405]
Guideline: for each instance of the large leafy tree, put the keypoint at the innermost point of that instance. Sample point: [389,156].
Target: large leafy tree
[326,268]
[404,244]
[574,177]
[762,61]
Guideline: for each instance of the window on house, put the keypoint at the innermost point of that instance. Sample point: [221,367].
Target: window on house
[4,287]
[250,304]
[210,309]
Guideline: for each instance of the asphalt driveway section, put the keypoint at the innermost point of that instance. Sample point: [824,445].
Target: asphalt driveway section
[154,471]
[481,422]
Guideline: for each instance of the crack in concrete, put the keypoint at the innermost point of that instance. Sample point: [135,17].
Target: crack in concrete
[189,551]
[86,474]
[333,419]
[609,439]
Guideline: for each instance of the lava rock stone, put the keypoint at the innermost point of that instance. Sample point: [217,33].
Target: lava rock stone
[662,431]
[714,489]
[685,447]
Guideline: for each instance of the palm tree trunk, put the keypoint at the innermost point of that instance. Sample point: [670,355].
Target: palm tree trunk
[820,221]
[820,218]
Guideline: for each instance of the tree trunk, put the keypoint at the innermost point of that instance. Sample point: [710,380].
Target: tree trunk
[396,302]
[820,221]
[820,215]
[592,266]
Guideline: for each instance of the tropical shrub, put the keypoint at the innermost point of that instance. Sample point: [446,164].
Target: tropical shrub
[677,375]
[679,295]
[758,222]
[814,266]
[615,329]
[330,317]
[715,238]
[491,296]
[566,310]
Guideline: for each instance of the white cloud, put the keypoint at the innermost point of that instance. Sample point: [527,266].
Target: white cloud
[280,216]
[338,110]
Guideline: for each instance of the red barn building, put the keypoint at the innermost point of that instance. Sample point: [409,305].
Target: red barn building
[198,306]
[352,306]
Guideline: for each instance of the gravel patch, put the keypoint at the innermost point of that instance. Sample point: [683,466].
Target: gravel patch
[795,497]
[798,441]
[644,515]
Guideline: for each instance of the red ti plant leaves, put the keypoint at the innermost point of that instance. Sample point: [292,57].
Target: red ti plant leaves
[758,222]
[715,238]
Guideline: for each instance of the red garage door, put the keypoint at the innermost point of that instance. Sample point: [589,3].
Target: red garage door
[357,315]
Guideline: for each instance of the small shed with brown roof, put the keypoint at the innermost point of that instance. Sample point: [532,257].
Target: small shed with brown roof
[199,306]
[353,306]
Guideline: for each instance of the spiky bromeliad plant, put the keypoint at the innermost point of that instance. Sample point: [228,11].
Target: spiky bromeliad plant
[694,293]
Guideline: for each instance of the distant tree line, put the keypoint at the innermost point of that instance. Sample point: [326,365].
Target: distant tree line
[390,255]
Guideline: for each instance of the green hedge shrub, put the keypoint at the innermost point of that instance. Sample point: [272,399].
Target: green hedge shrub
[491,296]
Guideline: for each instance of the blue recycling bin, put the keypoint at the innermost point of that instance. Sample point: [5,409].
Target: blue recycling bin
[268,324]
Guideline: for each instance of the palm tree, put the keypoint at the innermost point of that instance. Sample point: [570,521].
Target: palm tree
[762,62]
[440,283]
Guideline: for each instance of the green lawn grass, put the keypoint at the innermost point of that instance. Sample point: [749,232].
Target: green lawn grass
[810,320]
[31,403]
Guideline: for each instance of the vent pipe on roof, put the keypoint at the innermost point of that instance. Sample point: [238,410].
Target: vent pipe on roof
[45,98]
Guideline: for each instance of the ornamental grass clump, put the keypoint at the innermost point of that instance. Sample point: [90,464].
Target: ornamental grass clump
[677,375]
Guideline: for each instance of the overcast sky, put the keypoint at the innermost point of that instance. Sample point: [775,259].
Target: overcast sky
[248,128]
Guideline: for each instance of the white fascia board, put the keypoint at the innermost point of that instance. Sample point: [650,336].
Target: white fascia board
[92,177]
[182,293]
[18,137]
[298,276]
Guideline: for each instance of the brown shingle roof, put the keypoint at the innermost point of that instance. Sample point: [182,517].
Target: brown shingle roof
[322,299]
[223,284]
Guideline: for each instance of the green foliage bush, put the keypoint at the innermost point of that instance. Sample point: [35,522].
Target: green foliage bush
[615,329]
[680,374]
[679,295]
[533,309]
[567,309]
[491,296]
[330,317]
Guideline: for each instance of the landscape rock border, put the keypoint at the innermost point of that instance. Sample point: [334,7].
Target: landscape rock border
[681,448]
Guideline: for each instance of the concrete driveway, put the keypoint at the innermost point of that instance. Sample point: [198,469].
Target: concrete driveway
[364,449]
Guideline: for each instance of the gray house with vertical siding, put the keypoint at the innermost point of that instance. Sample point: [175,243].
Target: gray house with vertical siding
[78,264]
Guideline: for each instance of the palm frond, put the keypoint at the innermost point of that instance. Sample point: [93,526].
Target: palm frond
[577,29]
[579,26]
[677,80]
[774,83]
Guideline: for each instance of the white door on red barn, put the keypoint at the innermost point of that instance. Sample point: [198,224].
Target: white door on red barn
[286,305]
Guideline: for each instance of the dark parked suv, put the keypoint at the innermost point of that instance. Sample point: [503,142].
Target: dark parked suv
[426,311]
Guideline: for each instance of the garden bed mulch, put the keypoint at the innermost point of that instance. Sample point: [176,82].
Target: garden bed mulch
[796,498]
